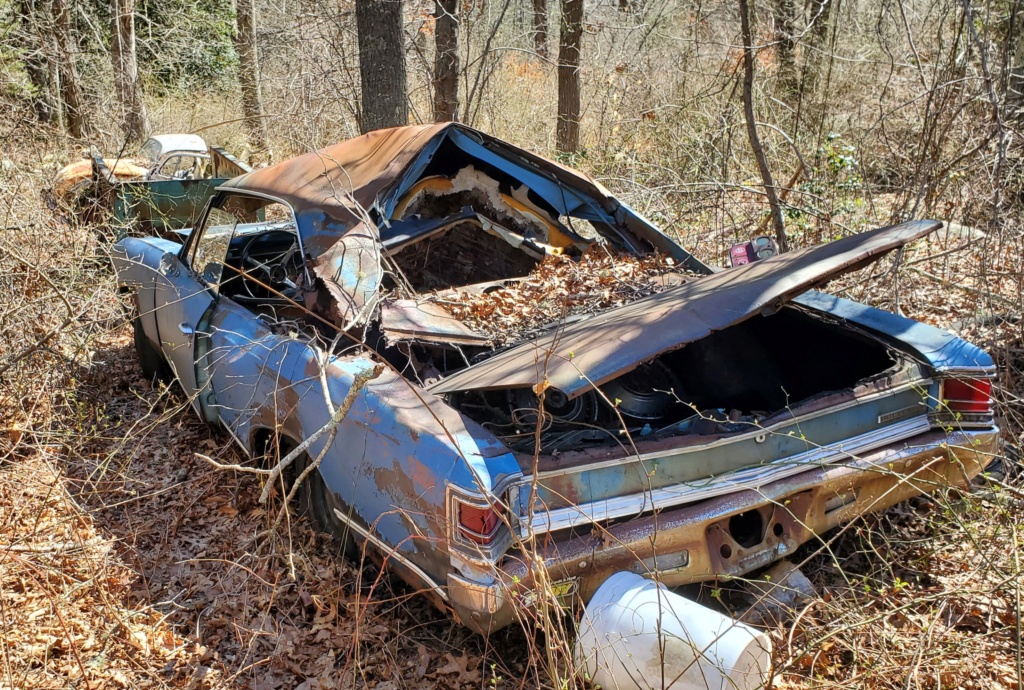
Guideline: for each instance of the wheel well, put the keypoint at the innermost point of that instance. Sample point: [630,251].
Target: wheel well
[263,439]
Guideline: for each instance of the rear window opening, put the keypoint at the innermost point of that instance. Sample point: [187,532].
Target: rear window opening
[462,254]
[472,225]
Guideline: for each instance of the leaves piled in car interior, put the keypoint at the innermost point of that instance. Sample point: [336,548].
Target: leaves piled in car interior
[559,287]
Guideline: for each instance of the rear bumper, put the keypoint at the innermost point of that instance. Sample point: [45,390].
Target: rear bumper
[706,540]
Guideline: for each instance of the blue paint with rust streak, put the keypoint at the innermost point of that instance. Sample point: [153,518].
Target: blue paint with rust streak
[393,455]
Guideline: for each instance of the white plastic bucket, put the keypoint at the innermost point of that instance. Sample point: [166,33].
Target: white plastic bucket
[620,645]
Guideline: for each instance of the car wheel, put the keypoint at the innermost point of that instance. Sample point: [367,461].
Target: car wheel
[154,368]
[315,505]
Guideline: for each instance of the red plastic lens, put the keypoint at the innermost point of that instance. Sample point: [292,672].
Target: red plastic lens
[479,524]
[967,395]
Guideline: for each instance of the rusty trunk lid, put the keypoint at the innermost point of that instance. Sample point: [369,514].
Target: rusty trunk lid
[585,354]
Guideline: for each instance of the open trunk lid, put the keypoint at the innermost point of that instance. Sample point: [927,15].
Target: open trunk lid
[590,352]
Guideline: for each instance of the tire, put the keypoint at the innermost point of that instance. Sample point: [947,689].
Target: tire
[154,367]
[313,503]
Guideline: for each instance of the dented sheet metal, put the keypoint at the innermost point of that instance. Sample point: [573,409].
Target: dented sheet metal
[439,490]
[588,353]
[339,188]
[426,321]
[351,272]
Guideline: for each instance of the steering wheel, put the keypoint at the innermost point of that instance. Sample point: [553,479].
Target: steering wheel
[264,255]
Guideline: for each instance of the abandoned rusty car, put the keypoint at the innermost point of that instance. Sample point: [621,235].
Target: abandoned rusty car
[704,425]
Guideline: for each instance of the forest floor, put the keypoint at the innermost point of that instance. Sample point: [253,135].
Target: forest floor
[126,562]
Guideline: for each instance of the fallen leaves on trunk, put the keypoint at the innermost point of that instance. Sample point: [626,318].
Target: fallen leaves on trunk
[561,287]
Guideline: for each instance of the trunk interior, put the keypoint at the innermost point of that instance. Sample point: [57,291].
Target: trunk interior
[722,384]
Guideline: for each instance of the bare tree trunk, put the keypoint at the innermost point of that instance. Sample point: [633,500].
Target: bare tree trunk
[785,46]
[33,39]
[821,12]
[249,78]
[540,27]
[134,122]
[1015,62]
[446,60]
[755,142]
[567,130]
[381,64]
[75,120]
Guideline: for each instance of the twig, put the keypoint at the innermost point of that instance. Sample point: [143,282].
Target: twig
[360,380]
[331,426]
[63,546]
[1016,587]
[974,291]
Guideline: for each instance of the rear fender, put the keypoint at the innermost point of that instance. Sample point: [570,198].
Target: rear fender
[392,458]
[137,263]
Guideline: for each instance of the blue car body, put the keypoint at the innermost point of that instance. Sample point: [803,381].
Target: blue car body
[453,507]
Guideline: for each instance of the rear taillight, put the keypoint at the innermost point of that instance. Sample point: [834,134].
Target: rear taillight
[478,523]
[972,396]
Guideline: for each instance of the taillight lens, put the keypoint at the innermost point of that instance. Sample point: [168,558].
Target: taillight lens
[967,395]
[479,524]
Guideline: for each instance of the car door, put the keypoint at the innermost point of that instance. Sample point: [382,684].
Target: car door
[186,292]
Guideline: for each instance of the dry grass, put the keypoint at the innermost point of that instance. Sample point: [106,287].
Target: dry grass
[125,562]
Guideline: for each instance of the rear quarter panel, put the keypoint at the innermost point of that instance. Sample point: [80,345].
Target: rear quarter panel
[394,454]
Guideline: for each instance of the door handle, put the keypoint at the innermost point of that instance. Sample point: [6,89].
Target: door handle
[185,329]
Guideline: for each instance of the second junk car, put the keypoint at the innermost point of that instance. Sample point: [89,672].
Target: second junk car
[703,430]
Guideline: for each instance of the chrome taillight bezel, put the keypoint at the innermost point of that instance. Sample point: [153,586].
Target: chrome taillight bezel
[489,547]
[964,412]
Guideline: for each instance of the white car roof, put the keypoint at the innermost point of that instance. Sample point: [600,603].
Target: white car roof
[166,143]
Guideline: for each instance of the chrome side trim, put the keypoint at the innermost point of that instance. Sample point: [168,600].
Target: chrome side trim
[738,480]
[951,372]
[391,552]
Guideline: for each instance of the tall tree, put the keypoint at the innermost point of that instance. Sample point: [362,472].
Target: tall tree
[446,60]
[784,12]
[821,12]
[134,122]
[381,64]
[32,39]
[755,141]
[249,78]
[66,41]
[540,27]
[567,129]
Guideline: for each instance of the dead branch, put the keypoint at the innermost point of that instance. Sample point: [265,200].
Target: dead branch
[358,383]
[337,417]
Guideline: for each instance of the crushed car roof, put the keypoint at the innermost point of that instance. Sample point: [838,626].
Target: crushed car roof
[588,353]
[332,189]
